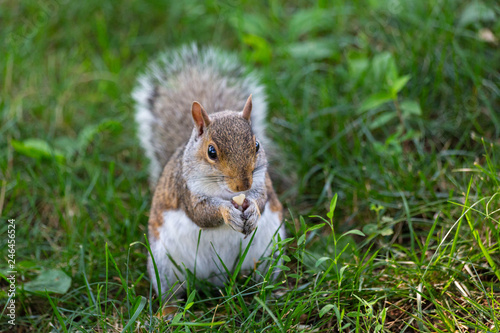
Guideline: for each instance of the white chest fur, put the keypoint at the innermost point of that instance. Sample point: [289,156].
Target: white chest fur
[180,240]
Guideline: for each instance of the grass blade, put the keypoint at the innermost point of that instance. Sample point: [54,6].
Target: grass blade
[56,311]
[139,305]
[269,312]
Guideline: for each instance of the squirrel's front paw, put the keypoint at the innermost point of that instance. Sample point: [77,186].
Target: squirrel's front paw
[233,218]
[251,215]
[244,222]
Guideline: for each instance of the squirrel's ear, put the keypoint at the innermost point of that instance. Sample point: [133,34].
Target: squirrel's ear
[247,110]
[200,117]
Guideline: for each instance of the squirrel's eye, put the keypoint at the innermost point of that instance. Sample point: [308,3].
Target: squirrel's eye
[212,153]
[257,146]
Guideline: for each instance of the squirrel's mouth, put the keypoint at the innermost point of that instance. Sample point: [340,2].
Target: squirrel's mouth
[227,194]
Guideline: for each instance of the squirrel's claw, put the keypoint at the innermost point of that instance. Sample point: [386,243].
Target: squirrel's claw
[233,218]
[244,205]
[251,216]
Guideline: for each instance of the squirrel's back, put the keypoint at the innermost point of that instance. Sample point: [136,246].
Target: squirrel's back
[166,91]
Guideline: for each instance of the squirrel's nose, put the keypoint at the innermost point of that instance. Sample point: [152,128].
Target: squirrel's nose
[244,184]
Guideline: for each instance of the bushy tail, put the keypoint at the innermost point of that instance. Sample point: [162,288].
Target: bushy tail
[180,76]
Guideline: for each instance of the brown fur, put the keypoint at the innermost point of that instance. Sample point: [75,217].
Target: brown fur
[274,202]
[166,196]
[235,144]
[172,192]
[231,135]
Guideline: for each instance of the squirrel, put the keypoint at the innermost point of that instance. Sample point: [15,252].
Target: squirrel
[200,161]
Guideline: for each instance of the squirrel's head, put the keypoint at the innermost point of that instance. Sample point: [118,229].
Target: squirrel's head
[225,157]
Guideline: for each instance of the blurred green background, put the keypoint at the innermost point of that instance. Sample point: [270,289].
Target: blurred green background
[393,105]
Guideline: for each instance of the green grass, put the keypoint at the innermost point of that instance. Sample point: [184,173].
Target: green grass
[391,105]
